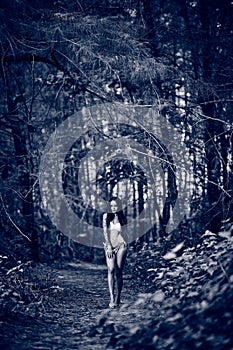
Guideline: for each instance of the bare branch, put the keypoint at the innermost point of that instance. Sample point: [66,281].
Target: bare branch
[12,222]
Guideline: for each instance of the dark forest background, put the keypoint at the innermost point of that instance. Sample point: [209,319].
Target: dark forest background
[57,58]
[60,56]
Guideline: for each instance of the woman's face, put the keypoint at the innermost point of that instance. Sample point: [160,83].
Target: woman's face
[114,206]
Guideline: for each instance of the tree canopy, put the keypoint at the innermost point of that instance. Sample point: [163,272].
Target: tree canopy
[57,58]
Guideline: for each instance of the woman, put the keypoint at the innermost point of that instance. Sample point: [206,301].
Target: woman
[114,224]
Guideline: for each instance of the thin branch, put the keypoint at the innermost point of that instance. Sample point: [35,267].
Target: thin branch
[215,101]
[202,115]
[20,195]
[33,88]
[26,57]
[79,4]
[12,222]
[223,270]
[80,70]
[220,187]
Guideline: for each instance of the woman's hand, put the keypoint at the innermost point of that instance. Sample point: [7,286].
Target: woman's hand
[109,252]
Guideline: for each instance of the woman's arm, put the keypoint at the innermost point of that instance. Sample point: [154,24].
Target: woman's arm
[107,243]
[105,230]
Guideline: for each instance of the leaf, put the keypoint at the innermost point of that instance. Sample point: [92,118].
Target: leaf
[178,247]
[209,233]
[204,305]
[139,301]
[174,318]
[169,256]
[173,273]
[192,294]
[158,296]
[226,234]
[211,270]
[134,330]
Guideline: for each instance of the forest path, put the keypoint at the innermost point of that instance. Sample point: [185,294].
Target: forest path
[77,303]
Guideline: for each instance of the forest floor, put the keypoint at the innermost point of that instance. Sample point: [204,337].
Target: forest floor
[73,306]
[179,300]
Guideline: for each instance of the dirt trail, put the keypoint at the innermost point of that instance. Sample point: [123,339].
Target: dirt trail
[77,303]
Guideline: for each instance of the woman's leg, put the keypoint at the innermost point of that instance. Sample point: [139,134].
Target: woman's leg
[120,261]
[111,264]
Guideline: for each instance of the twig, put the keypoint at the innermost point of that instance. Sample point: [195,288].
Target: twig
[12,222]
[223,270]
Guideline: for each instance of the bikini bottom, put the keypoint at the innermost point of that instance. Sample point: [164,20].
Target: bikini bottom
[121,245]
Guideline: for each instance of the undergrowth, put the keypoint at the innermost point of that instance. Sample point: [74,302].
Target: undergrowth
[24,288]
[189,304]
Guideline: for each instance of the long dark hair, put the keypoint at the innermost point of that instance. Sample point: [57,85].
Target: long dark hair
[120,214]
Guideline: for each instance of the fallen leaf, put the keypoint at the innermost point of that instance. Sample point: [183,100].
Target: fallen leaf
[178,247]
[169,256]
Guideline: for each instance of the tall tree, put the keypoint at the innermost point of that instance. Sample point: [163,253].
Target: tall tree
[55,60]
[195,37]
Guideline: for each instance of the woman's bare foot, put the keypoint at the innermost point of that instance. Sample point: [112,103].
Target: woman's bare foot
[117,302]
[112,305]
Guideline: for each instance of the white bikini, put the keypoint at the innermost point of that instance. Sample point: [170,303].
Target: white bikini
[116,226]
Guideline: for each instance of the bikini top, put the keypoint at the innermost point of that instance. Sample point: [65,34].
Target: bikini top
[116,226]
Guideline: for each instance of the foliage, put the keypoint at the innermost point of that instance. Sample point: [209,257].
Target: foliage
[188,302]
[23,289]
